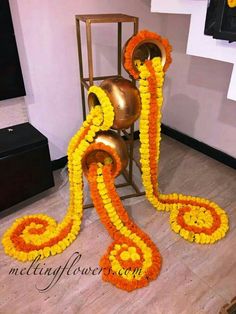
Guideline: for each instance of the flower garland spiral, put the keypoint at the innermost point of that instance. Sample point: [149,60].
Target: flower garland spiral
[132,260]
[40,234]
[195,219]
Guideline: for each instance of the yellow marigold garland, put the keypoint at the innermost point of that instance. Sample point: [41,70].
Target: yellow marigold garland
[132,260]
[40,234]
[194,218]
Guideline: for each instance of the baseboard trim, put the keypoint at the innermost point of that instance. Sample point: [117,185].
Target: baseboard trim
[182,138]
[59,163]
[199,146]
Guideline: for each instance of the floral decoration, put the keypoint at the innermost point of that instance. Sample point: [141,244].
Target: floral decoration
[137,40]
[132,260]
[195,219]
[40,234]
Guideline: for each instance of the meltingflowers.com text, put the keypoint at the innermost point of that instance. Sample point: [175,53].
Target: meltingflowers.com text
[70,268]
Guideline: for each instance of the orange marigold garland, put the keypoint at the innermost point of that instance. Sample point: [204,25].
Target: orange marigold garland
[132,260]
[136,41]
[40,234]
[195,219]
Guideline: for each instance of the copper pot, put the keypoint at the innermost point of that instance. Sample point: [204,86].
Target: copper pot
[147,49]
[125,99]
[111,139]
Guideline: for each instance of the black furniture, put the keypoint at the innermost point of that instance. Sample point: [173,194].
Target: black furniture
[25,166]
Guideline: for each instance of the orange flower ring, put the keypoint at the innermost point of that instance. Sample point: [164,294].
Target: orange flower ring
[137,41]
[103,152]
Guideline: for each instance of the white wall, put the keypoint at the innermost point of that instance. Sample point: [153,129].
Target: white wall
[46,38]
[196,102]
[196,93]
[198,44]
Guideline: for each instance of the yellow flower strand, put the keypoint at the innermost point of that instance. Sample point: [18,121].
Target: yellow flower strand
[99,118]
[198,216]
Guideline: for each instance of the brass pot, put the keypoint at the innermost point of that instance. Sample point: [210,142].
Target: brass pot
[111,139]
[147,49]
[125,99]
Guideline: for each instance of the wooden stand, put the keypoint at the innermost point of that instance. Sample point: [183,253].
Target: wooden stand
[86,82]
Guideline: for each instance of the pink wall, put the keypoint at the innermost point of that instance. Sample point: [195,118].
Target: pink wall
[45,30]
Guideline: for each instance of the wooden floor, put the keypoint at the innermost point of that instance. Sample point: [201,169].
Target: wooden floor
[194,278]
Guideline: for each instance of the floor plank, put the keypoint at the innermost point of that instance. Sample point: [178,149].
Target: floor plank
[194,278]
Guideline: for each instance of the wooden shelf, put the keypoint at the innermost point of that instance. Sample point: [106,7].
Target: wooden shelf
[87,81]
[106,18]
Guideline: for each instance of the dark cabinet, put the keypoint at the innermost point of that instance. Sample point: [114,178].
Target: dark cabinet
[25,165]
